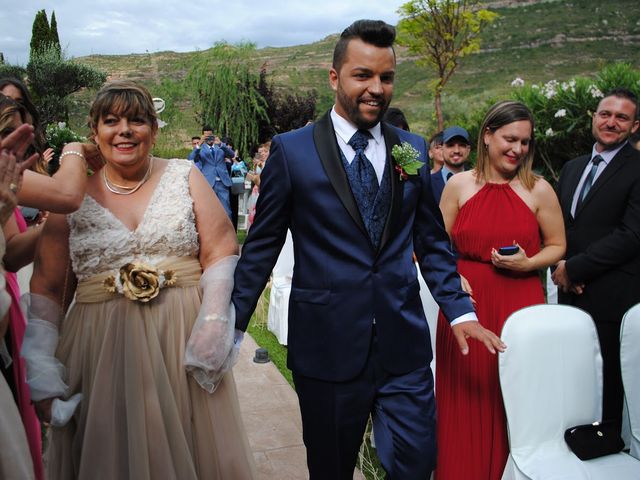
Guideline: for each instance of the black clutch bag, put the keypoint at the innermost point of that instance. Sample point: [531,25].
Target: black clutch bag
[594,440]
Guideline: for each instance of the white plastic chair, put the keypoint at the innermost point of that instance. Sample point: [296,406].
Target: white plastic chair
[629,363]
[551,379]
[278,319]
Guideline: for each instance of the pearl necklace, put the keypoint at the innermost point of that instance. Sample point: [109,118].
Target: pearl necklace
[117,189]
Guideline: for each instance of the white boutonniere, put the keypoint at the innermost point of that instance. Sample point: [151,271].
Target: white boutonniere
[406,160]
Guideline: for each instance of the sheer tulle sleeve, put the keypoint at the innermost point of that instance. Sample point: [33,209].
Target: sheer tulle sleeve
[209,350]
[45,373]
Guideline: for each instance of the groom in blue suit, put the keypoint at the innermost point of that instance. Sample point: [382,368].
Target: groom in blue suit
[358,337]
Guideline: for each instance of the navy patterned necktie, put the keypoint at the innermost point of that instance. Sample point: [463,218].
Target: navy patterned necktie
[364,172]
[589,180]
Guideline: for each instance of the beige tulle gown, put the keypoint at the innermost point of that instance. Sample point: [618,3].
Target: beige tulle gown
[142,417]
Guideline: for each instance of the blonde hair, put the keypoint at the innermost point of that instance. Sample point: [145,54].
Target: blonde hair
[501,114]
[123,98]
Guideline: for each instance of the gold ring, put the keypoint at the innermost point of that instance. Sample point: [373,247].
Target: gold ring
[13,187]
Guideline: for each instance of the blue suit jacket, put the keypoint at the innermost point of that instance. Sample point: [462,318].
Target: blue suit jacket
[340,281]
[437,183]
[212,165]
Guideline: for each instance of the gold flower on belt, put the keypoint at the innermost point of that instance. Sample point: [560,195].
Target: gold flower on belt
[138,281]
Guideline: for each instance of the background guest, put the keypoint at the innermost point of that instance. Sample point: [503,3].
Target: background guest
[20,250]
[210,159]
[15,89]
[454,151]
[435,152]
[395,117]
[15,458]
[500,203]
[600,197]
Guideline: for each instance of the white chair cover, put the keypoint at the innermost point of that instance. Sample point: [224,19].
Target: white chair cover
[629,363]
[277,321]
[431,311]
[551,379]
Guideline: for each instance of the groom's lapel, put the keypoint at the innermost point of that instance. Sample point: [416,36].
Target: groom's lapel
[324,138]
[397,187]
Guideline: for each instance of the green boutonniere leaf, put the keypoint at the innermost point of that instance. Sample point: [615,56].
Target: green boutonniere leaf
[406,158]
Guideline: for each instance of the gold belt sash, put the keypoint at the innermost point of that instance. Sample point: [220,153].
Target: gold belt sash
[186,272]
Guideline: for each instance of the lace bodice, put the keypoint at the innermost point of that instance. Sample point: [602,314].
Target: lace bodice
[100,242]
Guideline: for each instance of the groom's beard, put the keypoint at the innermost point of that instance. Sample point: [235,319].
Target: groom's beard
[352,108]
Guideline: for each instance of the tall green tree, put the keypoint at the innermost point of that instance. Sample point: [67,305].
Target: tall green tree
[40,34]
[224,92]
[440,33]
[285,111]
[52,78]
[54,39]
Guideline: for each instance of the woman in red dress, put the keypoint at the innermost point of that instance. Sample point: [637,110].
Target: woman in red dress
[499,203]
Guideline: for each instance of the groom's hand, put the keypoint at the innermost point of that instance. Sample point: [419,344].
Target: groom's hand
[473,329]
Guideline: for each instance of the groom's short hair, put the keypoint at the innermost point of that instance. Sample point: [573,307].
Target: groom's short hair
[374,32]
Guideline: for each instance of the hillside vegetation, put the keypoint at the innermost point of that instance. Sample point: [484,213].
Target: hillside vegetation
[536,41]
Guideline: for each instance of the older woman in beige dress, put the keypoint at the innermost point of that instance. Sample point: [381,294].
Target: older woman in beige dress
[149,254]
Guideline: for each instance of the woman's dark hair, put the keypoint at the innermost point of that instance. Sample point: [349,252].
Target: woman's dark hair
[32,117]
[26,99]
[395,117]
[8,109]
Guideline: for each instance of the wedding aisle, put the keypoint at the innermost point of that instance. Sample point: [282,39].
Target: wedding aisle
[272,418]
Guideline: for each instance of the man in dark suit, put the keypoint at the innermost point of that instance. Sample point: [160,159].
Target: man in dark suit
[358,338]
[600,198]
[456,148]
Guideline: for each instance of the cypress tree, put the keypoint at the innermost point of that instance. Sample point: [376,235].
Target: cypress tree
[40,34]
[54,40]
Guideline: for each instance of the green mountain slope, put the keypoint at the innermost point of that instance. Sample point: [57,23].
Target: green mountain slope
[537,41]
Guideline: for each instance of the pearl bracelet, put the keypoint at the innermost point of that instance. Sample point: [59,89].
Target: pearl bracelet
[71,152]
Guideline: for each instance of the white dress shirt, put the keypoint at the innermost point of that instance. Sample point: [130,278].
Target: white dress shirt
[376,150]
[607,156]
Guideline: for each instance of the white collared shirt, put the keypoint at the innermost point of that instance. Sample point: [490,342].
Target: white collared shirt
[376,150]
[607,156]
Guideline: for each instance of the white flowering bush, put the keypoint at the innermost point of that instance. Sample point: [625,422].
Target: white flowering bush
[563,110]
[59,134]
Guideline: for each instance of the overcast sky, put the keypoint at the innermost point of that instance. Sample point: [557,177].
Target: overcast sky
[136,26]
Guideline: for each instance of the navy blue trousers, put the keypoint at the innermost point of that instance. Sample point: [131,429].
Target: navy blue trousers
[335,414]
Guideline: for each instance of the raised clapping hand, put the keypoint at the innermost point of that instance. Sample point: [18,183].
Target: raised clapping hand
[472,329]
[12,164]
